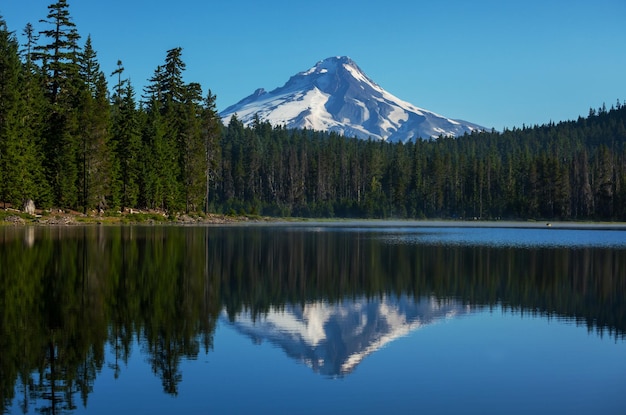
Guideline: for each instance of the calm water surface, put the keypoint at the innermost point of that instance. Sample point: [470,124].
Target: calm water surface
[314,318]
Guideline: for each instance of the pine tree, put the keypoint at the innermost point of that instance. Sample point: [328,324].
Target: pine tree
[172,85]
[160,172]
[11,160]
[126,139]
[33,120]
[20,165]
[59,57]
[191,148]
[59,61]
[172,133]
[117,95]
[211,132]
[604,185]
[94,125]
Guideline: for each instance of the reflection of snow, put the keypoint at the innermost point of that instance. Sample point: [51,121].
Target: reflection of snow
[377,344]
[308,328]
[334,338]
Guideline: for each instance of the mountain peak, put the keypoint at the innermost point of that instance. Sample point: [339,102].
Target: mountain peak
[336,95]
[339,59]
[335,61]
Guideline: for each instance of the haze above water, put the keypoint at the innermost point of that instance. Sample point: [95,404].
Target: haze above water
[355,317]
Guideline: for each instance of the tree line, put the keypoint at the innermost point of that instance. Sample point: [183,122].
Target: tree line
[571,170]
[67,141]
[70,140]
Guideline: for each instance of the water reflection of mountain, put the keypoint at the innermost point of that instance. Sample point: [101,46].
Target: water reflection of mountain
[66,294]
[333,338]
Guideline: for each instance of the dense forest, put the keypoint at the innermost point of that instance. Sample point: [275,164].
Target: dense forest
[72,137]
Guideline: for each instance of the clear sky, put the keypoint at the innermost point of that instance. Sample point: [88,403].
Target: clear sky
[497,63]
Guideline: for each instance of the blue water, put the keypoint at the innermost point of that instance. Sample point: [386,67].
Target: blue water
[494,234]
[510,237]
[487,362]
[383,318]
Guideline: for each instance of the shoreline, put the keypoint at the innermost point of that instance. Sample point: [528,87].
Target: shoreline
[439,223]
[11,217]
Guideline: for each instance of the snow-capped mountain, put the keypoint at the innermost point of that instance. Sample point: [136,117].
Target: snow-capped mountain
[333,339]
[335,95]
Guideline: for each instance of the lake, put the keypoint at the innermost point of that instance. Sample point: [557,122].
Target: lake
[308,318]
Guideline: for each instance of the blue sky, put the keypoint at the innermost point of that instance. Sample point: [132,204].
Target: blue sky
[493,62]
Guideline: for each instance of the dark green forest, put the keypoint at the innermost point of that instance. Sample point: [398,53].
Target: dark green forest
[75,138]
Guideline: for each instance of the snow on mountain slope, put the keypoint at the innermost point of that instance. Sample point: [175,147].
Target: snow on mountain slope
[335,95]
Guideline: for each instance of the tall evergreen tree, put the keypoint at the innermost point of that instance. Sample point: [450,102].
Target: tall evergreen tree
[191,148]
[20,164]
[33,120]
[172,85]
[94,125]
[126,139]
[59,56]
[10,157]
[59,61]
[160,172]
[117,94]
[176,141]
[211,131]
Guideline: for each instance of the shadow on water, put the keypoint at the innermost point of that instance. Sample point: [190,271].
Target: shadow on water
[67,294]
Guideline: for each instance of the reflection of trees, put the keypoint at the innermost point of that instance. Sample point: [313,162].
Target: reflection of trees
[72,291]
[21,276]
[264,268]
[121,302]
[73,324]
[77,289]
[172,300]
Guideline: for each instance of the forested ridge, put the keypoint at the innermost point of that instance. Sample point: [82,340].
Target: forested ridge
[73,137]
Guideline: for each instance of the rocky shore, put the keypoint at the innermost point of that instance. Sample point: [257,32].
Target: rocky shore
[56,217]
